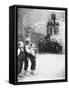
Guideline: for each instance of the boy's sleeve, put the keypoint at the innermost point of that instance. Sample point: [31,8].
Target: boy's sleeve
[18,52]
[27,49]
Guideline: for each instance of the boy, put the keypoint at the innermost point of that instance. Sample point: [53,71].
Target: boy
[21,57]
[29,53]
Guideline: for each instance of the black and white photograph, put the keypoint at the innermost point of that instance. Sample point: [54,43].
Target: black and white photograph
[41,44]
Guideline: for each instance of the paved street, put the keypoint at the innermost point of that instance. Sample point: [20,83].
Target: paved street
[48,67]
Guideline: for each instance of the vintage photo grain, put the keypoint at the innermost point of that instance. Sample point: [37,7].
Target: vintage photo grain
[41,44]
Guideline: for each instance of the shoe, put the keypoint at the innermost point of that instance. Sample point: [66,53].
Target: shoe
[26,73]
[21,75]
[32,72]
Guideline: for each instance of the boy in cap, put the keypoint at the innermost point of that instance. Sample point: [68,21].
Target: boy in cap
[29,54]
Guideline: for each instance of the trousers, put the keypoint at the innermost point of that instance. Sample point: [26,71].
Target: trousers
[33,62]
[20,62]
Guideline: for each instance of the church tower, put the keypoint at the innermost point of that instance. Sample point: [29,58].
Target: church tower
[52,25]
